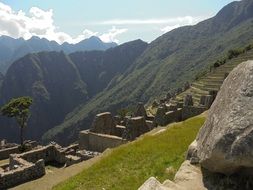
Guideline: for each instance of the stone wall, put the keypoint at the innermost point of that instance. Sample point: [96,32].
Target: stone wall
[48,154]
[135,127]
[173,116]
[164,117]
[104,123]
[98,142]
[191,111]
[23,174]
[4,153]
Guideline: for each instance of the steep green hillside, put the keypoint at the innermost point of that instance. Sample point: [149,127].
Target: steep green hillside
[98,68]
[167,64]
[59,83]
[157,154]
[213,80]
[41,76]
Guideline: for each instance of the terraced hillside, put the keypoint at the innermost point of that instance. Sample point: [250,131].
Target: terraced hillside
[213,80]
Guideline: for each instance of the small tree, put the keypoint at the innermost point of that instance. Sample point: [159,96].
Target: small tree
[19,109]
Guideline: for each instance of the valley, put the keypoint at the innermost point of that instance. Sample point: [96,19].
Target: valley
[96,111]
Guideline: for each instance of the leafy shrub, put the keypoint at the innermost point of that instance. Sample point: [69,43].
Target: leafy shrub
[234,53]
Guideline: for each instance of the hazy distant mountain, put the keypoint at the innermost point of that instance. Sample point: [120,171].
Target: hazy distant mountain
[12,49]
[168,62]
[59,83]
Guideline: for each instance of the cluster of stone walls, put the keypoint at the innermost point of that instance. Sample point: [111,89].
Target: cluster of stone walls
[31,165]
[4,153]
[48,154]
[174,111]
[23,174]
[109,132]
[12,148]
[98,142]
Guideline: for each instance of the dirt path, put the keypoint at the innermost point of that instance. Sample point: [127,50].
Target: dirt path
[56,175]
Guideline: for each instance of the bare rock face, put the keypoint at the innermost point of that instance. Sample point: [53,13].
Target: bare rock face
[104,123]
[224,143]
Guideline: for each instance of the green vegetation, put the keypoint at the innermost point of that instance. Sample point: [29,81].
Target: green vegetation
[59,83]
[212,81]
[167,63]
[18,108]
[158,154]
[233,53]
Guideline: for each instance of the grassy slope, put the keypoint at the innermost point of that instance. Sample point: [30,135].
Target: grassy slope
[128,166]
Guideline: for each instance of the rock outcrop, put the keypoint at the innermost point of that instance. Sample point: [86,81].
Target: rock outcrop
[224,143]
[189,177]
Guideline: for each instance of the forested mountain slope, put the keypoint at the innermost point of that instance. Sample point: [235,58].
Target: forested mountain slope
[168,62]
[59,83]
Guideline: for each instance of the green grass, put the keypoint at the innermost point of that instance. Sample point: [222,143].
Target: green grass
[128,166]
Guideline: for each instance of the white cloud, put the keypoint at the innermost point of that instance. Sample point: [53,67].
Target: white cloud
[167,23]
[188,19]
[181,21]
[86,34]
[110,36]
[169,28]
[40,23]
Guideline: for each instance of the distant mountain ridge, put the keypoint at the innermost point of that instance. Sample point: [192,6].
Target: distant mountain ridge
[167,63]
[59,83]
[11,49]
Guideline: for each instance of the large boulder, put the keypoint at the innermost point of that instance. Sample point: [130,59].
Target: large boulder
[224,143]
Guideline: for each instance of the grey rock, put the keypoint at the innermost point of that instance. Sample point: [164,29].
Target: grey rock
[224,143]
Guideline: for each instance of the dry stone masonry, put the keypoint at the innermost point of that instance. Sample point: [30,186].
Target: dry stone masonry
[171,110]
[108,132]
[31,165]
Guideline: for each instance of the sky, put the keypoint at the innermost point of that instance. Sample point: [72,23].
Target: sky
[111,20]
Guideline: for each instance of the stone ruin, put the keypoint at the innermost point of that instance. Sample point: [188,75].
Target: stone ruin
[12,148]
[170,110]
[30,165]
[221,156]
[109,132]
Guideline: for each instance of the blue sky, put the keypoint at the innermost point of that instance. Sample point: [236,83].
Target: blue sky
[111,20]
